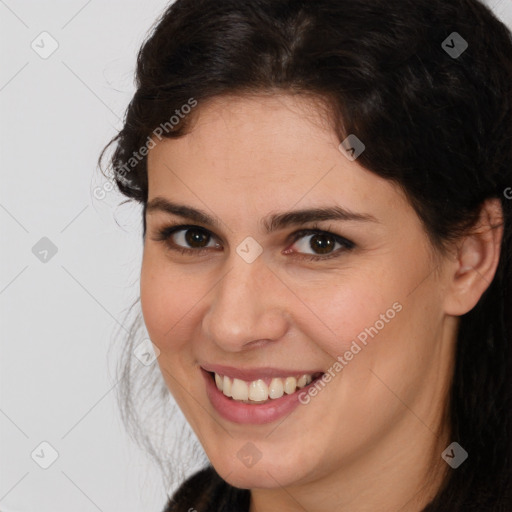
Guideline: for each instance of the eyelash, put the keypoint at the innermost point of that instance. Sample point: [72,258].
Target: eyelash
[164,234]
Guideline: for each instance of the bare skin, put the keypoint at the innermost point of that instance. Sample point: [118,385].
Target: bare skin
[372,439]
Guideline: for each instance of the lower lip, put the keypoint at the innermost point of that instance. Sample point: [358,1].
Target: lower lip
[238,412]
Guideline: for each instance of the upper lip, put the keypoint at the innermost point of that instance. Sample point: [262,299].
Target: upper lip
[250,374]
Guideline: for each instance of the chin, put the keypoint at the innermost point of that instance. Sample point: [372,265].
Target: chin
[262,475]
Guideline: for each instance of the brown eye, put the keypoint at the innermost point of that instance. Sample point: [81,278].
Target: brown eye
[322,243]
[188,239]
[316,244]
[197,238]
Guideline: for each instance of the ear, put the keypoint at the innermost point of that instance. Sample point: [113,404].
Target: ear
[477,257]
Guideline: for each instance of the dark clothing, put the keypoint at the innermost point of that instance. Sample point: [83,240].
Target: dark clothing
[206,491]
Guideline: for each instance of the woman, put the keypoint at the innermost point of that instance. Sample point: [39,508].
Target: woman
[327,238]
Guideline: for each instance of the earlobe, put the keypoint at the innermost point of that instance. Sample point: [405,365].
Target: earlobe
[476,261]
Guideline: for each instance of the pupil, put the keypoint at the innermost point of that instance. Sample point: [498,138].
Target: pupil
[196,238]
[321,243]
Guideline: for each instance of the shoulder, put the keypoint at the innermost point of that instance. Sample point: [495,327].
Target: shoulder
[206,491]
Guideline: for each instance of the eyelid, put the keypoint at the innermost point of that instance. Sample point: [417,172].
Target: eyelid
[315,231]
[169,229]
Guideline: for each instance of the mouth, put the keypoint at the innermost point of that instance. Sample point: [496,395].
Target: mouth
[251,402]
[262,390]
[257,395]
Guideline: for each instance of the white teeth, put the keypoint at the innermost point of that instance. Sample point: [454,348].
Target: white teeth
[276,388]
[257,391]
[226,386]
[290,385]
[239,389]
[304,380]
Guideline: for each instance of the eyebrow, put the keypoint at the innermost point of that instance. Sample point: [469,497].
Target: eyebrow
[272,223]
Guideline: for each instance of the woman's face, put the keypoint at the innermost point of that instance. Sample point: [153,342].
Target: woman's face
[247,296]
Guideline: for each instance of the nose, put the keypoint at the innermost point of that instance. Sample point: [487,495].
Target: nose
[247,307]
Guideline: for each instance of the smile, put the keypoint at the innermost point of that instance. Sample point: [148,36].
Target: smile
[256,401]
[261,390]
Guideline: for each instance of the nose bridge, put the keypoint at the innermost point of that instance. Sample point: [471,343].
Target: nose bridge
[244,306]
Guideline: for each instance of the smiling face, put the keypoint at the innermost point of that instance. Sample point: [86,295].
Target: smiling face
[301,295]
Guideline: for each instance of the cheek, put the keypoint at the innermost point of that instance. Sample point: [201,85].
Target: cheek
[383,338]
[347,309]
[167,302]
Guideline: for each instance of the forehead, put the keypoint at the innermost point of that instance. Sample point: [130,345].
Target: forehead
[244,132]
[266,152]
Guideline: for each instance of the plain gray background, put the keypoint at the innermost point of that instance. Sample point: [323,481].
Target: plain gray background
[60,309]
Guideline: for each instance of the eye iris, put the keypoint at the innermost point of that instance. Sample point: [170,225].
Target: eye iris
[322,243]
[197,238]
